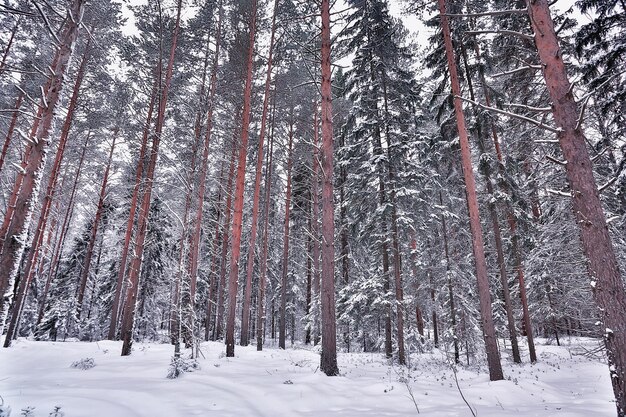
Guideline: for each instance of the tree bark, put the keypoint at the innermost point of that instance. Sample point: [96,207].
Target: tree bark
[13,237]
[245,339]
[266,219]
[606,280]
[121,273]
[315,230]
[282,326]
[489,332]
[239,189]
[9,136]
[128,320]
[328,360]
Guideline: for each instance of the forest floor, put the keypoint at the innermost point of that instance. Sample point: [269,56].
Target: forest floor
[274,383]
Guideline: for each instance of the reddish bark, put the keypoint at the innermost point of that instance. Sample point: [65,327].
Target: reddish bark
[489,332]
[117,298]
[94,230]
[239,188]
[9,136]
[493,215]
[282,325]
[14,236]
[603,269]
[328,361]
[128,320]
[195,237]
[245,337]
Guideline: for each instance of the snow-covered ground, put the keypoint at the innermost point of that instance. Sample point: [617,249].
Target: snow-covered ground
[276,383]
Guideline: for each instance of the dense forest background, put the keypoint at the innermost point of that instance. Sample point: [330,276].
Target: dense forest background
[174,182]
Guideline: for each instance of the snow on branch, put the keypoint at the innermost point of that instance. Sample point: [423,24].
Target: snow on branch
[556,161]
[494,13]
[511,114]
[516,70]
[47,24]
[501,32]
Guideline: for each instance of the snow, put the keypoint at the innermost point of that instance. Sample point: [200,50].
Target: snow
[277,383]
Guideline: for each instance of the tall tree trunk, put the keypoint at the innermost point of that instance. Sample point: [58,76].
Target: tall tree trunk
[225,243]
[94,230]
[195,237]
[9,136]
[60,241]
[607,283]
[17,219]
[239,189]
[489,331]
[282,326]
[493,215]
[121,273]
[315,230]
[245,339]
[128,320]
[397,260]
[266,219]
[343,218]
[328,361]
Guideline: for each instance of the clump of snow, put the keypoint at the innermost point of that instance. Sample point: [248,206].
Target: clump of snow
[565,382]
[84,364]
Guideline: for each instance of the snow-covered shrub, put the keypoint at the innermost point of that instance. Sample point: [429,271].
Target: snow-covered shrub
[56,412]
[84,364]
[179,365]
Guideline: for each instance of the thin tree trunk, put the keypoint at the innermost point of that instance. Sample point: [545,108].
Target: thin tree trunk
[495,222]
[9,136]
[225,244]
[328,360]
[266,219]
[60,242]
[128,320]
[315,230]
[489,331]
[282,325]
[444,228]
[607,283]
[17,220]
[94,230]
[117,298]
[5,54]
[245,339]
[239,189]
[195,244]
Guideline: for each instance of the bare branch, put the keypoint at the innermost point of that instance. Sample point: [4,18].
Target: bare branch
[47,24]
[608,184]
[556,161]
[559,193]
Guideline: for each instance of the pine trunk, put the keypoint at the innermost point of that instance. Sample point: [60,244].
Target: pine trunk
[606,281]
[14,234]
[328,360]
[489,331]
[282,326]
[9,136]
[239,189]
[128,320]
[245,322]
[121,273]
